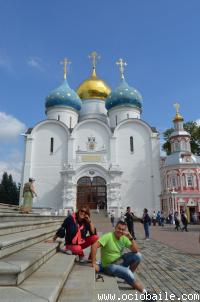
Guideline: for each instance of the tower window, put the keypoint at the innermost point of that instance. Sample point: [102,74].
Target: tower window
[176,146]
[189,181]
[116,120]
[51,145]
[70,122]
[58,117]
[131,144]
[173,181]
[127,115]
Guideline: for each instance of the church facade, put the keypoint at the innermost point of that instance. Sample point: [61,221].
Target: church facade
[93,149]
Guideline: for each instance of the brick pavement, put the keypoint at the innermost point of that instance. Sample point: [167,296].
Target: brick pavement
[171,260]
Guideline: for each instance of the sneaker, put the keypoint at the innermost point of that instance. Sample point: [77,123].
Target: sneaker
[67,252]
[83,260]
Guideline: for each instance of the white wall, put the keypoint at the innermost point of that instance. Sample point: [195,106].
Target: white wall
[91,106]
[66,115]
[95,128]
[45,167]
[139,190]
[122,113]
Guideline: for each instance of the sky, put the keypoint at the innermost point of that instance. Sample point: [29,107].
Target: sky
[159,40]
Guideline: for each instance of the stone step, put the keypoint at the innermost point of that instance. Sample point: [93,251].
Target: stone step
[107,290]
[47,282]
[16,216]
[8,211]
[12,243]
[80,285]
[18,266]
[21,226]
[7,205]
[43,285]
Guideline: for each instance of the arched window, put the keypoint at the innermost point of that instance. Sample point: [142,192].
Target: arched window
[116,120]
[58,117]
[70,122]
[51,145]
[131,144]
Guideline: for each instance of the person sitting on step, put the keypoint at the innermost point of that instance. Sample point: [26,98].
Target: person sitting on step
[113,261]
[75,229]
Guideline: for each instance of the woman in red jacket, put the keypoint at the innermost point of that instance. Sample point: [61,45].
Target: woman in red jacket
[75,229]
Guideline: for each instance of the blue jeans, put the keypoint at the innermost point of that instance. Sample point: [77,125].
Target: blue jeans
[120,268]
[146,229]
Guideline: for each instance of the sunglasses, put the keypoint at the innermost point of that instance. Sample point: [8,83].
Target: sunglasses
[83,211]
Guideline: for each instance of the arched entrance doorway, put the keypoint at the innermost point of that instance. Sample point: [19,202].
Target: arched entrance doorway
[91,192]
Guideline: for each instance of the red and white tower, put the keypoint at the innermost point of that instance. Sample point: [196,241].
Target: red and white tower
[180,174]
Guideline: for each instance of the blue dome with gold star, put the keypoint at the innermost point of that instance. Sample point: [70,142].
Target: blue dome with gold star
[124,95]
[63,96]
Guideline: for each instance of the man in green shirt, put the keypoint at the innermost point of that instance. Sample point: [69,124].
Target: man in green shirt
[113,261]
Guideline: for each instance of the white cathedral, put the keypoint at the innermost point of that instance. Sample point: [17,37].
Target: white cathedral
[94,149]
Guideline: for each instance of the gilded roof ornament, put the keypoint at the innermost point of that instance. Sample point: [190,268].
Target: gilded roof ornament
[94,56]
[65,62]
[121,64]
[177,107]
[178,117]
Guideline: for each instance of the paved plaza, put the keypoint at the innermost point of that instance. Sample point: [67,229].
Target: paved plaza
[171,261]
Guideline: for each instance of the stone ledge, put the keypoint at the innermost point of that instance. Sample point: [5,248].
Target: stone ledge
[48,280]
[15,268]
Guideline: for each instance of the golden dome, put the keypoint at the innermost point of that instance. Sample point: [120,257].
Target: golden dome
[178,117]
[93,88]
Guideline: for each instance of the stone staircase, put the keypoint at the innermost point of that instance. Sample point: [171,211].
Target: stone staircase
[32,270]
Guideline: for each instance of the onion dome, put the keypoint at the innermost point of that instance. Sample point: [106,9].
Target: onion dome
[93,87]
[124,94]
[63,95]
[178,117]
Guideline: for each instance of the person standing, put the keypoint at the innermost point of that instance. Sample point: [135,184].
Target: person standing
[129,218]
[162,219]
[28,194]
[177,221]
[154,218]
[146,221]
[112,220]
[184,221]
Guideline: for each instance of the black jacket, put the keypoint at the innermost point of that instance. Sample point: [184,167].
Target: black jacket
[69,229]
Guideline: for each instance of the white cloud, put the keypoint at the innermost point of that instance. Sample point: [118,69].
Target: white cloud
[10,168]
[12,164]
[10,127]
[198,121]
[35,62]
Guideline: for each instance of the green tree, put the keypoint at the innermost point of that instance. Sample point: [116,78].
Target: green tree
[194,131]
[9,191]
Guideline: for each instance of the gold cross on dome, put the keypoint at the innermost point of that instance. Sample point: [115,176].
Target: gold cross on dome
[94,56]
[177,107]
[121,64]
[65,62]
